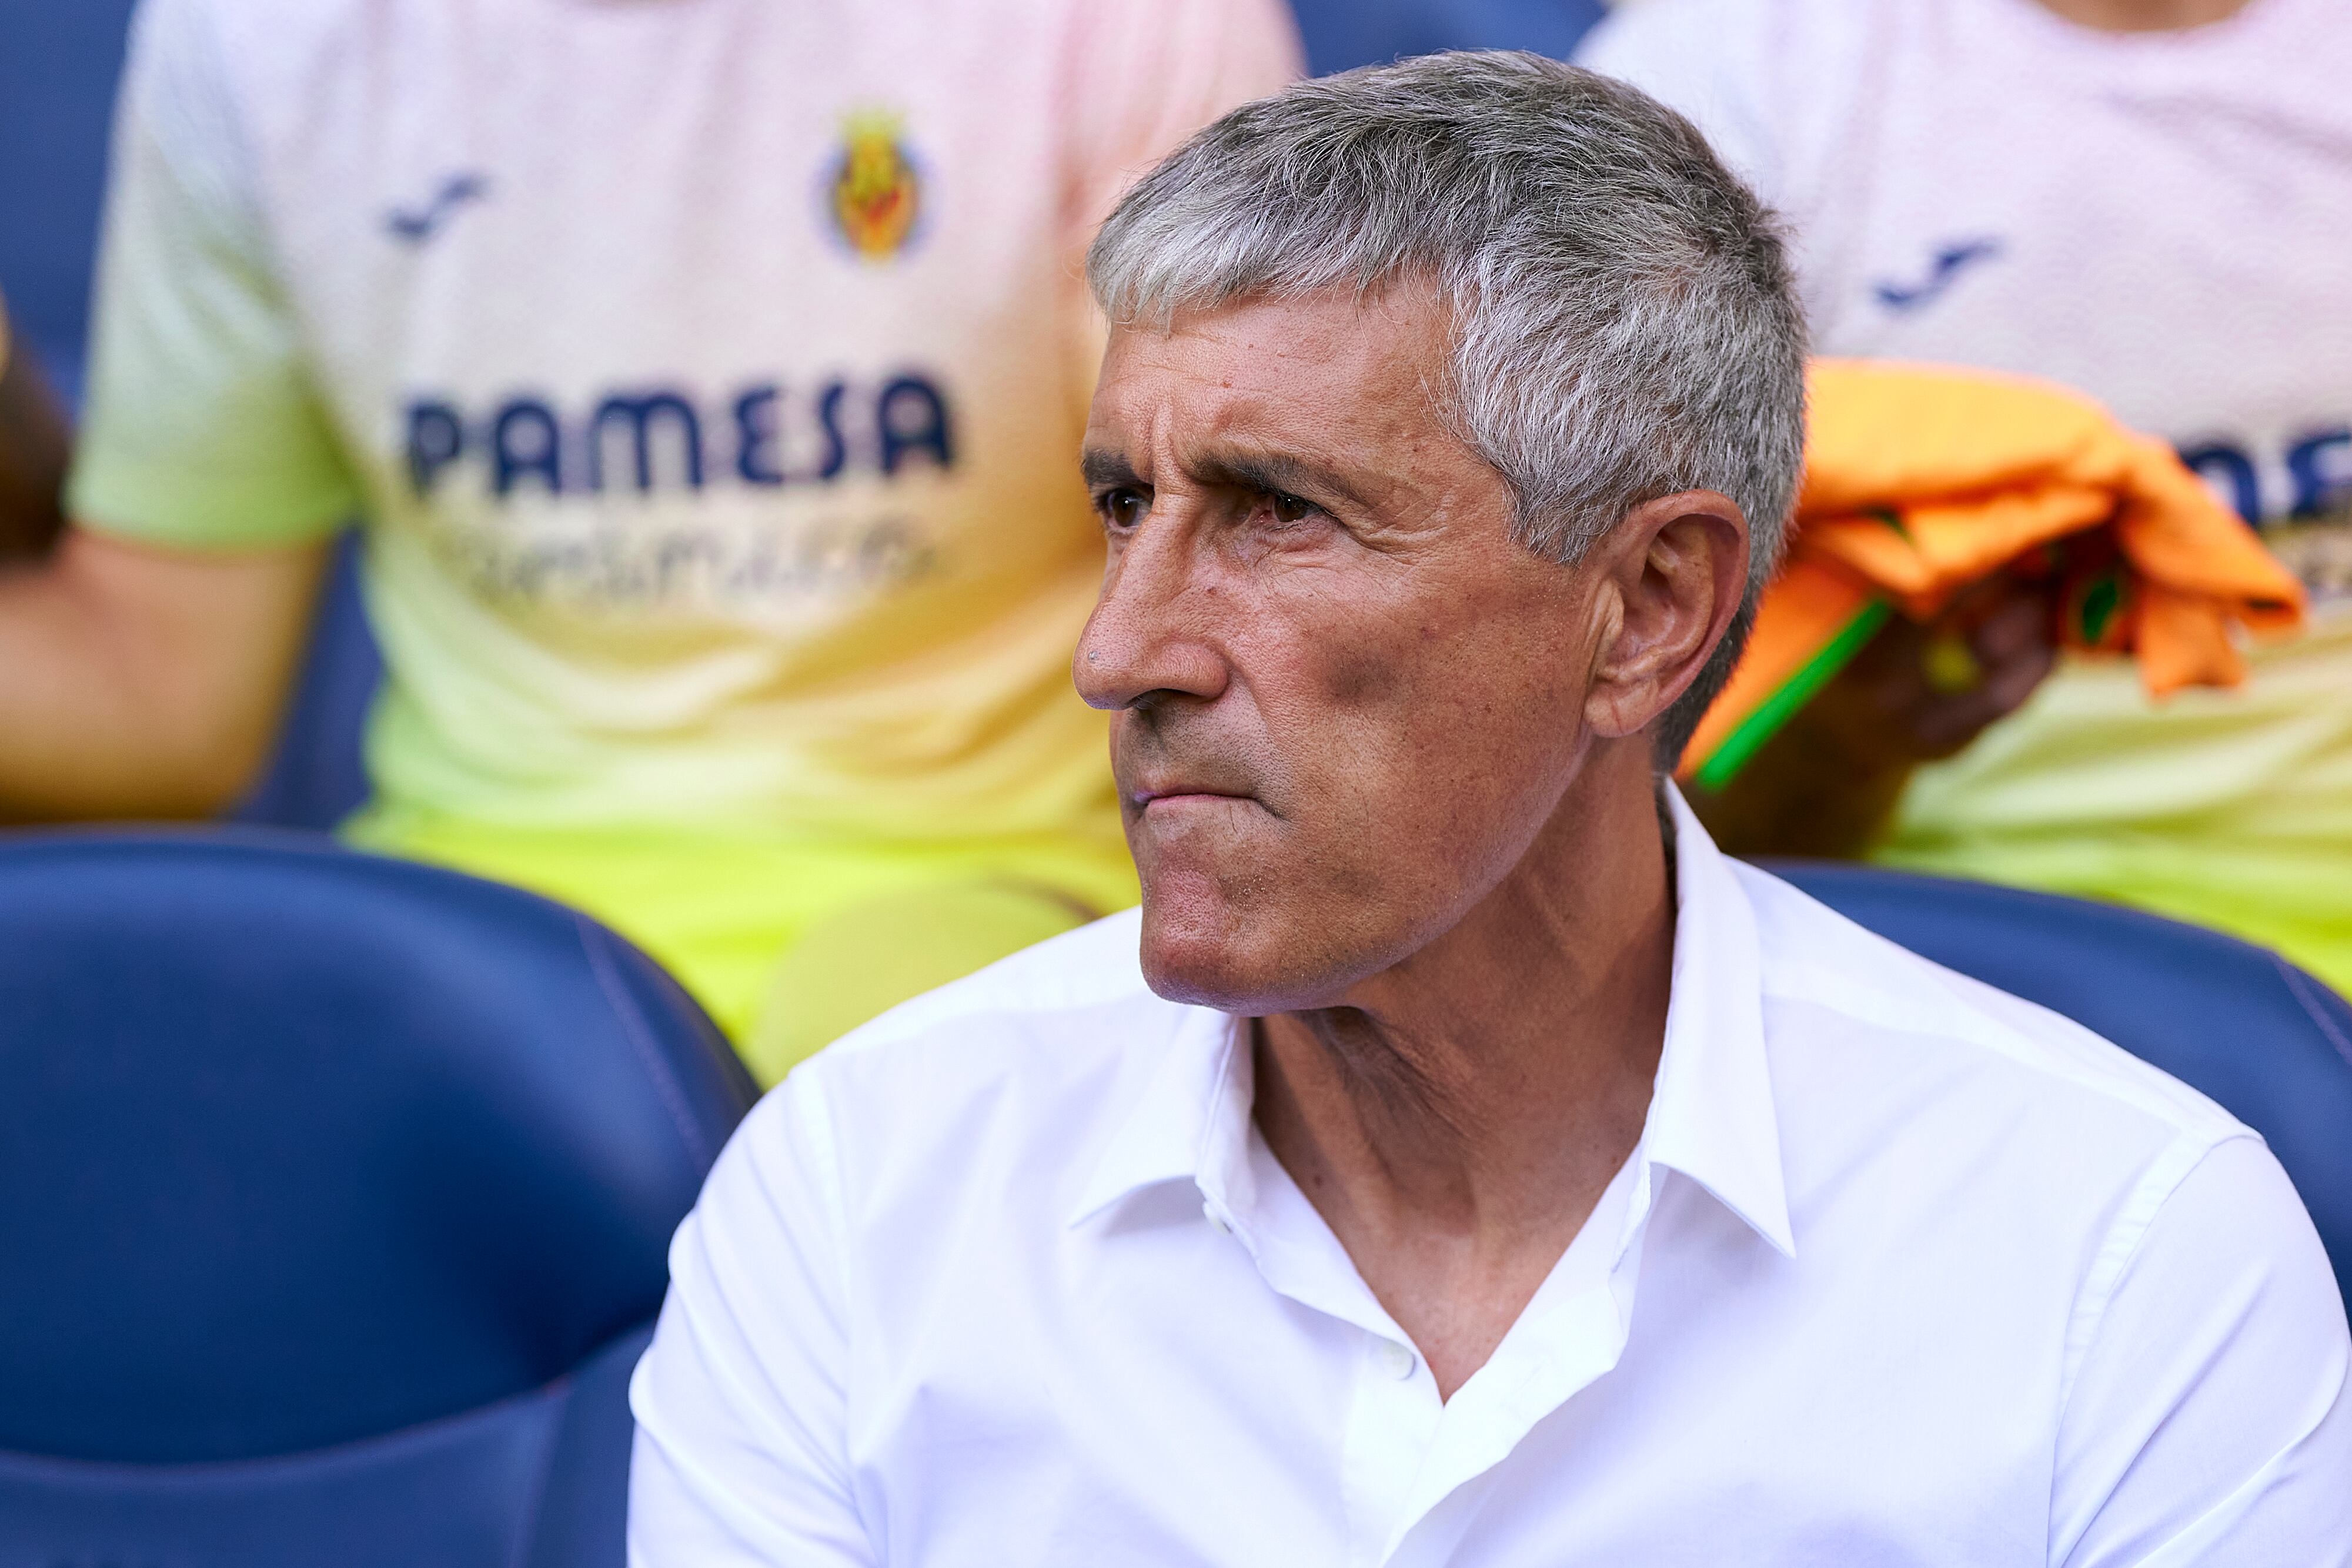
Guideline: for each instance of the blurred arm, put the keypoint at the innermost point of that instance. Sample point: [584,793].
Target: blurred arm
[1828,783]
[33,445]
[143,664]
[140,682]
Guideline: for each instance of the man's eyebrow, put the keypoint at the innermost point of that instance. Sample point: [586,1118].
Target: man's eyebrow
[1274,471]
[1101,468]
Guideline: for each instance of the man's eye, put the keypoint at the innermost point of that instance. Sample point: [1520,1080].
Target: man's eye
[1288,508]
[1121,509]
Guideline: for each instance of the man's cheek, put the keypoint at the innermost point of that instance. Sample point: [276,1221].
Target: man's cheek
[1361,864]
[1363,678]
[1343,821]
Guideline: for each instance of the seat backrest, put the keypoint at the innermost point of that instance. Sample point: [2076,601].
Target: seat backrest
[1340,34]
[335,1194]
[317,773]
[58,63]
[2240,1024]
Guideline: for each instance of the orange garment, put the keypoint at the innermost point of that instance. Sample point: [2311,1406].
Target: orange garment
[1922,480]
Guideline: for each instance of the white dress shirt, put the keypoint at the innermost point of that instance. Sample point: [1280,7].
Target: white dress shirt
[1902,1270]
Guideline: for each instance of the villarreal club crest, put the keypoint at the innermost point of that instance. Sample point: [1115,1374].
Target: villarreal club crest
[874,190]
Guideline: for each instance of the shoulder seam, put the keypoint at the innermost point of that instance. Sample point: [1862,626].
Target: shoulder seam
[1970,1026]
[2122,1247]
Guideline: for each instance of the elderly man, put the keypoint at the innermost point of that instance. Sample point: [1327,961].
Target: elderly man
[1458,1159]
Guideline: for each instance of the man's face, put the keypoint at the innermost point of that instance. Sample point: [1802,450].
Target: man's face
[1345,699]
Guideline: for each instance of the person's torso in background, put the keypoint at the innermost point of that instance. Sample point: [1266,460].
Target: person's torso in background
[2163,220]
[713,371]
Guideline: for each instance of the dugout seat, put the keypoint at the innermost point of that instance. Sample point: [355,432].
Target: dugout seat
[335,1196]
[58,69]
[2266,1041]
[1341,33]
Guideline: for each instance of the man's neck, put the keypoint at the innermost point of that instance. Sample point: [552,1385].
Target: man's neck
[2144,16]
[1455,1120]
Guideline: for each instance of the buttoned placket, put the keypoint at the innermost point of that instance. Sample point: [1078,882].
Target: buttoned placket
[1393,1419]
[1571,1334]
[1408,1459]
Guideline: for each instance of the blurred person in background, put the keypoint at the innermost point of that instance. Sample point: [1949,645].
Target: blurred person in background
[34,447]
[704,372]
[2149,200]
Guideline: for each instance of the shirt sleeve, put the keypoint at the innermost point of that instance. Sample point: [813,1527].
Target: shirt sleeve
[2209,1423]
[1140,78]
[204,427]
[741,1400]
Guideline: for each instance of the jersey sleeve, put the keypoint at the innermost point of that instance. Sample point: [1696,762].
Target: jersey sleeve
[1140,78]
[1709,60]
[2207,1422]
[741,1400]
[1145,76]
[204,429]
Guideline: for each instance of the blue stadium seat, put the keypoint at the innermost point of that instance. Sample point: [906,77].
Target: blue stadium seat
[316,775]
[58,63]
[2237,1022]
[1339,34]
[335,1194]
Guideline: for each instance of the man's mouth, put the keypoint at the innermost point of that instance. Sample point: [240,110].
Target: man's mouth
[1175,796]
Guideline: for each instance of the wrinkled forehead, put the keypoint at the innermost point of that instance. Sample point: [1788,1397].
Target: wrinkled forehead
[1351,380]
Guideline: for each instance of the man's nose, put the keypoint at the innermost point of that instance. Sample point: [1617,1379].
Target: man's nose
[1154,629]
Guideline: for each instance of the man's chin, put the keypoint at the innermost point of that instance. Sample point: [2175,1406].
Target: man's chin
[1218,930]
[1195,978]
[1196,944]
[1209,954]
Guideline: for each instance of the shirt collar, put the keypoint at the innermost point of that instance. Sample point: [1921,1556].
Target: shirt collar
[1186,1098]
[1711,1114]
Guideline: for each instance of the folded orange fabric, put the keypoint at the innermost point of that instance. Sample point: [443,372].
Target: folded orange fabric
[1921,480]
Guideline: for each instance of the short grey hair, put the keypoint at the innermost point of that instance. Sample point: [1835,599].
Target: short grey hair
[1623,321]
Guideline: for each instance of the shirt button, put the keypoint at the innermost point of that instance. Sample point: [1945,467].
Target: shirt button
[1209,1211]
[1395,1359]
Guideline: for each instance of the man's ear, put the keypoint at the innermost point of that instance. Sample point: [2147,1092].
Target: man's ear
[1674,570]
